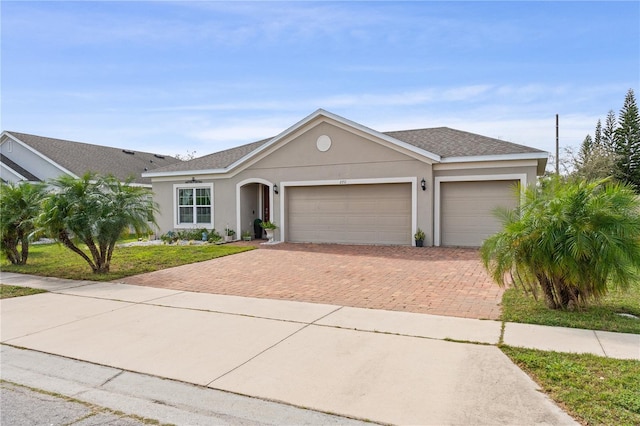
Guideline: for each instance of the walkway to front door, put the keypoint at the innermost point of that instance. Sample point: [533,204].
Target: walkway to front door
[433,280]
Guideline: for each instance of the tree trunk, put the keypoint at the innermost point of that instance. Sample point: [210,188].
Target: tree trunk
[66,241]
[25,250]
[11,250]
[548,290]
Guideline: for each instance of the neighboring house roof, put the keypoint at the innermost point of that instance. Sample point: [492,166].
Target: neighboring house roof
[79,158]
[19,169]
[441,144]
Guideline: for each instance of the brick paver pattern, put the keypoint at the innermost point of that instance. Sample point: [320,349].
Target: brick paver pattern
[432,280]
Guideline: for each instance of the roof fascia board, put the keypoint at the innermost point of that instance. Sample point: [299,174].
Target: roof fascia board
[184,173]
[500,157]
[42,156]
[486,164]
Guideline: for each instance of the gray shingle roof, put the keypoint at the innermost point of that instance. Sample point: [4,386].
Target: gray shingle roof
[442,141]
[447,142]
[79,157]
[217,160]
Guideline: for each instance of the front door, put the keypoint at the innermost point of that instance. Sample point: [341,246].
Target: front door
[266,207]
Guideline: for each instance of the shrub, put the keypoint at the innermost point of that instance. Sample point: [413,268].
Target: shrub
[570,239]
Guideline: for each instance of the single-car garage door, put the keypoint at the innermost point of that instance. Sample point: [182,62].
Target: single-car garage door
[466,210]
[350,214]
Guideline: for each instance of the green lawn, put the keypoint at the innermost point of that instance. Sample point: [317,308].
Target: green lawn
[7,291]
[54,260]
[593,389]
[601,315]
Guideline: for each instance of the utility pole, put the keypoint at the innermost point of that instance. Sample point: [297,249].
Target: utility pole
[557,145]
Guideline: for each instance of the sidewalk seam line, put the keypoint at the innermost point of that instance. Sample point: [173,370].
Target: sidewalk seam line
[272,346]
[600,343]
[111,378]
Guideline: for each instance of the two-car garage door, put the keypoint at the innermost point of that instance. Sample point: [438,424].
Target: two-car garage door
[350,214]
[467,210]
[381,213]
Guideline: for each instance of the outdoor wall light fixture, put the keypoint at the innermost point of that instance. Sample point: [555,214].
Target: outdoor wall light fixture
[193,180]
[275,188]
[423,184]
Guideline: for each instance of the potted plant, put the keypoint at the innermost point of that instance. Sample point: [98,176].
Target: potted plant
[269,227]
[246,236]
[228,234]
[419,237]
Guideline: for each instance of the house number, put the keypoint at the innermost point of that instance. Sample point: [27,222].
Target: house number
[343,182]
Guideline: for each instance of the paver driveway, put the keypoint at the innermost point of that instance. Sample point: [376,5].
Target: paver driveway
[433,280]
[439,281]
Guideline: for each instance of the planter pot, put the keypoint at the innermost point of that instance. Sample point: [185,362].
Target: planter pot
[419,243]
[269,233]
[228,238]
[246,238]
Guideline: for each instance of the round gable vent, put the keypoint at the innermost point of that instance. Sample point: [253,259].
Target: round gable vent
[323,143]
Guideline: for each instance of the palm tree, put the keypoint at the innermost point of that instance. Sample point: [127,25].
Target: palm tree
[571,239]
[95,211]
[21,204]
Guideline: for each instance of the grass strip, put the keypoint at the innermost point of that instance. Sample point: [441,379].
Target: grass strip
[8,291]
[594,390]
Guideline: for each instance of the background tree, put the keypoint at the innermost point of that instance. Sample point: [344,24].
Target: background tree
[96,211]
[571,239]
[592,162]
[597,136]
[609,131]
[627,142]
[21,205]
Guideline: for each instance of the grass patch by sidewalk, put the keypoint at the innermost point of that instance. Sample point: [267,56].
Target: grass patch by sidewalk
[54,260]
[599,315]
[7,291]
[593,389]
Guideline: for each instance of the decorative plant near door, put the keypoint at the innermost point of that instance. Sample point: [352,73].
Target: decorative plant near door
[269,227]
[419,236]
[228,234]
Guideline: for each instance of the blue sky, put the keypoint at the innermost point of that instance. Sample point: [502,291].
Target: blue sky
[178,77]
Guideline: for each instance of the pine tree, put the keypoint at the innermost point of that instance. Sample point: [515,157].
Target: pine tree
[609,131]
[585,150]
[597,139]
[627,142]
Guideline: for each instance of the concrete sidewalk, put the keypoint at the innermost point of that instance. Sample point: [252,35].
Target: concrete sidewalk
[387,367]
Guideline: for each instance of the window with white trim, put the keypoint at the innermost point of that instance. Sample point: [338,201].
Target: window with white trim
[194,205]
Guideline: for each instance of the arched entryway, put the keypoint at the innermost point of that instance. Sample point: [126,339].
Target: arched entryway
[254,199]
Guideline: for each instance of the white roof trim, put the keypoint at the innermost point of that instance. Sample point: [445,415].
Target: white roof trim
[501,157]
[184,173]
[39,154]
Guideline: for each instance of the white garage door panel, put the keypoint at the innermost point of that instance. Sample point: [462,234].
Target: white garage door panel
[467,217]
[356,214]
